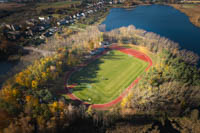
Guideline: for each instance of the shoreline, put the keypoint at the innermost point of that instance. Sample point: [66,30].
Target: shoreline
[190,14]
[129,7]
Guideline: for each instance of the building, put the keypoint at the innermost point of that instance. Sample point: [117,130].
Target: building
[41,18]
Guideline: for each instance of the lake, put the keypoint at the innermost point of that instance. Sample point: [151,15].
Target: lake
[5,67]
[163,20]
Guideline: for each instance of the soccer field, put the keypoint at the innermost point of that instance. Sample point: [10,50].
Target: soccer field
[107,77]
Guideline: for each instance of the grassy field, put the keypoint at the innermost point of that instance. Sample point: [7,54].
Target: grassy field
[61,4]
[10,6]
[107,77]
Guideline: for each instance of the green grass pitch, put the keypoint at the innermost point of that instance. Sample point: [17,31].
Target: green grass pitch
[106,78]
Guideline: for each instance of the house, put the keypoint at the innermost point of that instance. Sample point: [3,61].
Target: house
[41,18]
[58,23]
[100,3]
[71,21]
[28,33]
[49,17]
[48,34]
[54,29]
[13,27]
[86,13]
[13,35]
[27,28]
[41,28]
[83,14]
[89,6]
[67,21]
[104,44]
[63,22]
[42,37]
[7,26]
[29,23]
[90,11]
[33,20]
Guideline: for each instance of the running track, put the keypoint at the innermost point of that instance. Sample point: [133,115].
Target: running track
[129,51]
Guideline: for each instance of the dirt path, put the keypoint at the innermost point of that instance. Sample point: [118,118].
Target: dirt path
[128,51]
[42,52]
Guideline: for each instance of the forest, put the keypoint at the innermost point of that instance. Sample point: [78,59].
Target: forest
[30,101]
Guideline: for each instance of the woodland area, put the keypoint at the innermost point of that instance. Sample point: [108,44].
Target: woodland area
[31,101]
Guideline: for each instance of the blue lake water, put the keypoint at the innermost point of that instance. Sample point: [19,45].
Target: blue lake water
[5,67]
[163,20]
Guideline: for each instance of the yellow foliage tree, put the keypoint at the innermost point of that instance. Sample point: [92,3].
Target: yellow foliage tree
[28,98]
[34,84]
[90,111]
[91,45]
[15,92]
[54,106]
[124,102]
[35,101]
[20,78]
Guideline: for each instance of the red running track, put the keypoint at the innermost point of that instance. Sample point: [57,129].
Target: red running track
[128,51]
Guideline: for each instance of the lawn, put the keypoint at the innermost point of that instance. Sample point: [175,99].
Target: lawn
[60,4]
[106,78]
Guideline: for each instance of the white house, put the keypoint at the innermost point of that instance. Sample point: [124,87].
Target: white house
[83,14]
[90,11]
[67,22]
[58,23]
[41,18]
